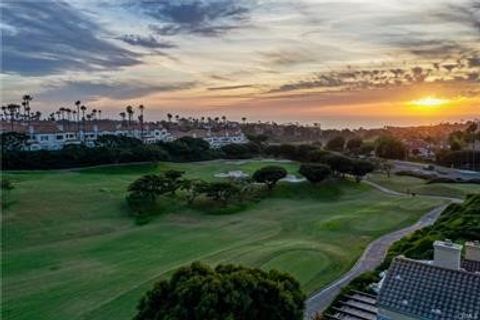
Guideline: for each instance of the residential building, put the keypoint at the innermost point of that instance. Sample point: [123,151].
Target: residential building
[54,135]
[446,288]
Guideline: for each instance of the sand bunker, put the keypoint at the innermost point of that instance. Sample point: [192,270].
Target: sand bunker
[293,179]
[237,174]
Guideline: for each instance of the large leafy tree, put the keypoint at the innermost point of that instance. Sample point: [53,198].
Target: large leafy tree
[315,173]
[148,186]
[173,180]
[198,292]
[336,144]
[390,148]
[360,168]
[220,191]
[13,141]
[269,175]
[354,144]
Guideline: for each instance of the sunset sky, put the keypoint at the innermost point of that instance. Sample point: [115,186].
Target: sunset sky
[345,63]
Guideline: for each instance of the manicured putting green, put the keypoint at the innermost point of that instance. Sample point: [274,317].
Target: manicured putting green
[70,250]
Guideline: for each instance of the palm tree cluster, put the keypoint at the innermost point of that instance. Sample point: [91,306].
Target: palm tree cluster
[23,113]
[211,123]
[19,112]
[77,114]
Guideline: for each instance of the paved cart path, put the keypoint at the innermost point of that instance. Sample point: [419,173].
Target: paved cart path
[373,254]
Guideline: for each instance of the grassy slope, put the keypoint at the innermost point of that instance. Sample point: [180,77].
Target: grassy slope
[71,252]
[402,183]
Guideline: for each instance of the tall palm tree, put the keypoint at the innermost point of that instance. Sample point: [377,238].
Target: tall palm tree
[26,102]
[244,120]
[12,108]
[24,105]
[129,110]
[83,109]
[169,116]
[69,113]
[77,104]
[99,114]
[140,118]
[62,114]
[123,115]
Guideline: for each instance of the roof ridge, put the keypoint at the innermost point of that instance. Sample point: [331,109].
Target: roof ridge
[410,260]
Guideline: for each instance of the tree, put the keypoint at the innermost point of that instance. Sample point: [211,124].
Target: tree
[315,173]
[149,186]
[220,191]
[13,141]
[366,149]
[238,151]
[360,168]
[172,180]
[140,118]
[390,148]
[269,175]
[336,144]
[193,188]
[13,110]
[129,111]
[455,146]
[385,166]
[226,292]
[123,115]
[354,145]
[339,164]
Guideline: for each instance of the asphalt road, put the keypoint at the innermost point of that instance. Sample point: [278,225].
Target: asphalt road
[438,170]
[371,257]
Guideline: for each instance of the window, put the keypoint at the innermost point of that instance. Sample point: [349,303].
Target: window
[43,138]
[59,137]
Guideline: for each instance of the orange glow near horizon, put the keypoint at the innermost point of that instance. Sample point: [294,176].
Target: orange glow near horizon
[429,102]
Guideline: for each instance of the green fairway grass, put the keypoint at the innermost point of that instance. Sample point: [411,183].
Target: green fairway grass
[71,251]
[420,186]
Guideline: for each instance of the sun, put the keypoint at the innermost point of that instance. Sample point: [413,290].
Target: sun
[429,102]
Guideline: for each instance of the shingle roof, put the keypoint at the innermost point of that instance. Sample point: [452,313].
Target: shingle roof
[429,292]
[471,265]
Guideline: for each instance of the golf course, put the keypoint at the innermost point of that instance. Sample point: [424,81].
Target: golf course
[71,250]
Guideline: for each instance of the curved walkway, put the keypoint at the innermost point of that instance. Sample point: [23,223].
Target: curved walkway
[372,256]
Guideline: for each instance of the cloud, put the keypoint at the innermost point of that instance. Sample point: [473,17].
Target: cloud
[72,90]
[318,81]
[463,70]
[46,38]
[205,18]
[146,42]
[289,57]
[231,87]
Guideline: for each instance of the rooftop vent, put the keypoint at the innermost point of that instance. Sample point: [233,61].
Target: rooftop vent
[447,254]
[472,250]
